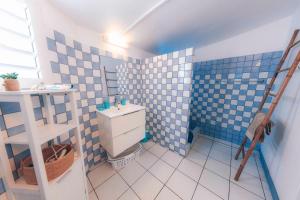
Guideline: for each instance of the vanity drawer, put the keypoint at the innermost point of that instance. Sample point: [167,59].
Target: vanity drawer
[126,140]
[125,123]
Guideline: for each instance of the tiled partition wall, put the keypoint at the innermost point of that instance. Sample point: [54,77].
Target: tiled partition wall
[226,93]
[166,91]
[130,81]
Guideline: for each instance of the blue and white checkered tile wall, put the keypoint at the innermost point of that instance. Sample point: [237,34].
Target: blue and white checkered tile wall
[130,81]
[226,93]
[166,92]
[11,123]
[77,64]
[71,63]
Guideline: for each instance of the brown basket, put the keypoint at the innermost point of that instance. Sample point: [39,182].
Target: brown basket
[53,168]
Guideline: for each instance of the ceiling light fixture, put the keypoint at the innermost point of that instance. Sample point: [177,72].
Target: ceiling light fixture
[117,39]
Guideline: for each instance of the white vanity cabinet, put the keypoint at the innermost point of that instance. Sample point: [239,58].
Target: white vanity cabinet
[121,128]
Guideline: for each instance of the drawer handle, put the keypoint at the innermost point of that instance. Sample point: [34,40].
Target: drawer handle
[130,113]
[63,176]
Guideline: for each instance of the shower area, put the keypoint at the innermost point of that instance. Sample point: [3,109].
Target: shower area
[226,93]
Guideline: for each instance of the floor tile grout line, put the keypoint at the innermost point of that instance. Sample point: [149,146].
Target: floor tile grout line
[232,182]
[165,184]
[175,168]
[146,170]
[216,173]
[92,188]
[262,198]
[202,170]
[129,186]
[262,186]
[231,155]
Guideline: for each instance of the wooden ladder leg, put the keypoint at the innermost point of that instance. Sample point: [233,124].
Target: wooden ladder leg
[241,148]
[243,152]
[248,154]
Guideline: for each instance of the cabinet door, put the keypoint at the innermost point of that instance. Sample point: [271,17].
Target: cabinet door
[127,122]
[70,185]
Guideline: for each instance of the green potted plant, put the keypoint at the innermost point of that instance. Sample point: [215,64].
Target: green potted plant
[10,81]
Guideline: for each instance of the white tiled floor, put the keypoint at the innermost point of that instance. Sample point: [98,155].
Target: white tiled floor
[206,173]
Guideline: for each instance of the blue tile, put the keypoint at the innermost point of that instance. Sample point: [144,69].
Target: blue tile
[51,44]
[55,67]
[59,37]
[2,124]
[70,51]
[9,107]
[77,45]
[62,59]
[2,187]
[15,130]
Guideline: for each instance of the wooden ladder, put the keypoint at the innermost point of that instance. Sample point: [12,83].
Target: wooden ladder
[276,97]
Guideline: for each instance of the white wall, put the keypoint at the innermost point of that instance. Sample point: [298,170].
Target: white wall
[46,18]
[269,37]
[282,149]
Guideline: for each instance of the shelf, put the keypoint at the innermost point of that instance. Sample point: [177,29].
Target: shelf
[22,186]
[32,92]
[45,133]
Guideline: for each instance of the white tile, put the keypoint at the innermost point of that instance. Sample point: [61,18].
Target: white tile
[221,147]
[215,183]
[172,158]
[205,139]
[229,144]
[132,172]
[162,171]
[148,144]
[236,192]
[129,195]
[101,174]
[147,159]
[13,119]
[202,193]
[92,196]
[218,168]
[202,148]
[182,185]
[158,150]
[249,182]
[147,187]
[166,193]
[250,167]
[223,157]
[197,157]
[113,188]
[190,169]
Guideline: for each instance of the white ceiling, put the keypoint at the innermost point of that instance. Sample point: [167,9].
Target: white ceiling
[175,24]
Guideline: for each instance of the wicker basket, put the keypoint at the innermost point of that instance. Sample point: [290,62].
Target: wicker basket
[53,168]
[126,157]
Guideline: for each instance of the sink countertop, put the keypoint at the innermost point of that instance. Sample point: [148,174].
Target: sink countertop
[114,112]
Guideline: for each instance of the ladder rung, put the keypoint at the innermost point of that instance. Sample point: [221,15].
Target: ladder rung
[283,70]
[272,94]
[296,43]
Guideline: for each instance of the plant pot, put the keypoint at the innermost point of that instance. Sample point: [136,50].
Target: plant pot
[11,84]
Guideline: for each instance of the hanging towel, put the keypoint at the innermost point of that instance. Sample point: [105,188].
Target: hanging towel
[259,117]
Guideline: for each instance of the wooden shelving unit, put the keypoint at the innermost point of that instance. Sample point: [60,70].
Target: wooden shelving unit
[70,185]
